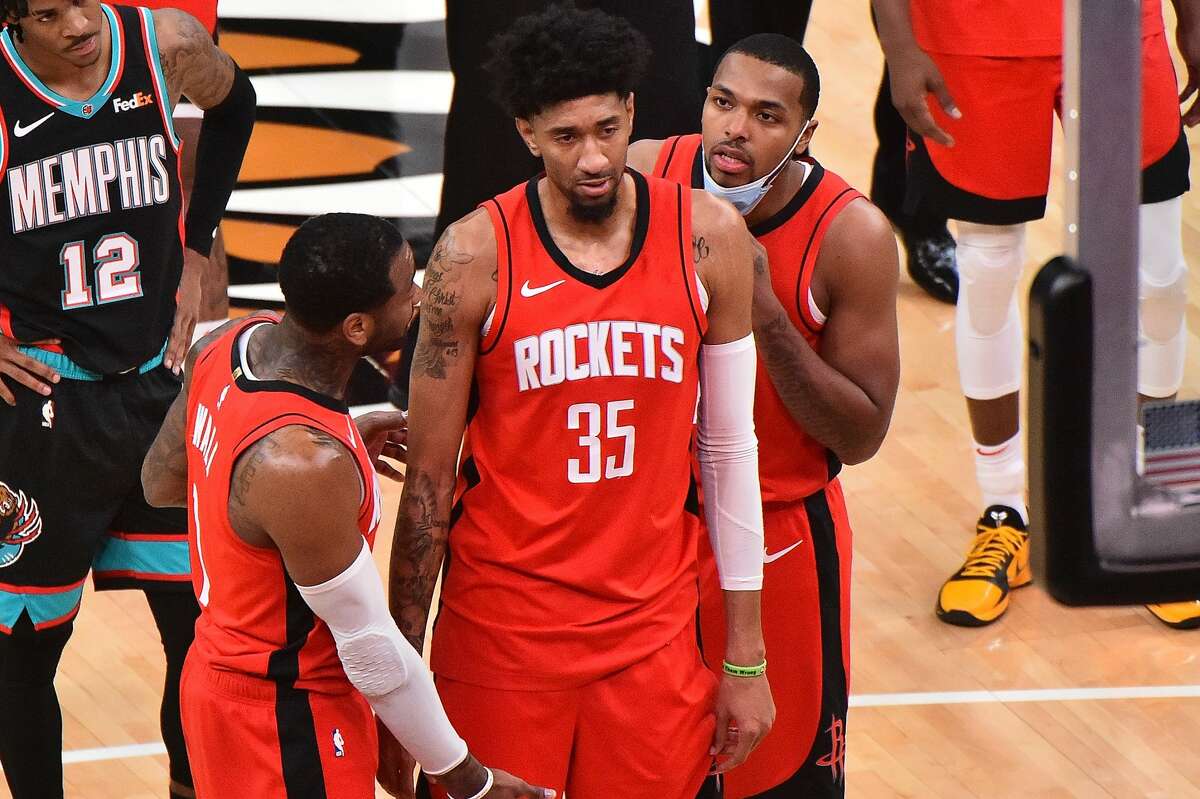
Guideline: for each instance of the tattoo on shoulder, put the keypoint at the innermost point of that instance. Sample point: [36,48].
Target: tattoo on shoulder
[444,279]
[760,263]
[193,65]
[699,249]
[248,466]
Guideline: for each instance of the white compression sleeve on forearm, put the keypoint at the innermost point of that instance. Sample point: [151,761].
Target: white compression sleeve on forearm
[728,453]
[383,665]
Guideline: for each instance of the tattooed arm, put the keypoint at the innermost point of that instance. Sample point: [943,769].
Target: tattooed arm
[459,291]
[843,396]
[195,68]
[193,64]
[164,470]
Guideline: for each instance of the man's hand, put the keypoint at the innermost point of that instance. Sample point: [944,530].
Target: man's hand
[469,777]
[745,713]
[187,310]
[396,765]
[913,76]
[385,433]
[1187,37]
[18,366]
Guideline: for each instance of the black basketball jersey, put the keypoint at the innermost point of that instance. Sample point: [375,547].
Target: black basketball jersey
[92,249]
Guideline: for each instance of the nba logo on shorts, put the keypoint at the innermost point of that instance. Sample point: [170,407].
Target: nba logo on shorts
[339,743]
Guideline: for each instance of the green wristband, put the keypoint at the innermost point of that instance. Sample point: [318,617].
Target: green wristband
[744,671]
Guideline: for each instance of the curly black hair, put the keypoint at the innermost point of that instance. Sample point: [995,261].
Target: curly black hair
[784,51]
[14,9]
[564,53]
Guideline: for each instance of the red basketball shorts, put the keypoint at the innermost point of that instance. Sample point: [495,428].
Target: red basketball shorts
[806,626]
[249,737]
[998,170]
[642,733]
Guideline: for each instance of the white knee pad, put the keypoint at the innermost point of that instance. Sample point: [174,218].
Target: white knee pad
[987,328]
[1162,298]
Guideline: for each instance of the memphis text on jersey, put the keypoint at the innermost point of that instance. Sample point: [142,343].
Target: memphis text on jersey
[76,183]
[599,349]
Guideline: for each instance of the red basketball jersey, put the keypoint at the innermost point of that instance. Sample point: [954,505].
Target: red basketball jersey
[791,463]
[203,10]
[1002,28]
[252,618]
[571,552]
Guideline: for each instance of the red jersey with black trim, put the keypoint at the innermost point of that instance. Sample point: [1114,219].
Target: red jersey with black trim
[203,10]
[572,555]
[252,618]
[791,463]
[1002,28]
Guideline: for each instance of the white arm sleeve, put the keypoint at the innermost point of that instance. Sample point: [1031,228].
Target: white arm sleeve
[728,453]
[383,666]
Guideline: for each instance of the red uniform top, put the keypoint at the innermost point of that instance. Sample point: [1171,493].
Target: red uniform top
[570,553]
[791,463]
[203,10]
[1004,28]
[252,618]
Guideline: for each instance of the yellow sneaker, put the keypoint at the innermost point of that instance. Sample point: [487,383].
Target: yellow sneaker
[1180,615]
[977,594]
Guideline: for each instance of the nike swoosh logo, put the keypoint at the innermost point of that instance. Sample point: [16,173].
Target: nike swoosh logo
[527,291]
[771,557]
[20,130]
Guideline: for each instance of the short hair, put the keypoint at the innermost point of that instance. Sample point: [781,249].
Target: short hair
[784,51]
[338,264]
[14,9]
[564,53]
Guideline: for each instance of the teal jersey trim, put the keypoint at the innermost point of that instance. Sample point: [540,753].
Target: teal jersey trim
[44,608]
[70,370]
[84,109]
[144,558]
[160,79]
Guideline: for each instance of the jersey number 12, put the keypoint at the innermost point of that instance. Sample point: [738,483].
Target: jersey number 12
[117,278]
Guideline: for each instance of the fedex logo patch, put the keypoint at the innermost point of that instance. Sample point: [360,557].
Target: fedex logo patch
[138,100]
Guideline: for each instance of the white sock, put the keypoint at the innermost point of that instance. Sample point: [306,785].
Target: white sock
[1000,470]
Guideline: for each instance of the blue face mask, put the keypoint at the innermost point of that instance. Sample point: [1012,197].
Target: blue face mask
[744,198]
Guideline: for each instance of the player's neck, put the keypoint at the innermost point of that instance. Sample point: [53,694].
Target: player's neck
[69,80]
[781,193]
[591,244]
[286,352]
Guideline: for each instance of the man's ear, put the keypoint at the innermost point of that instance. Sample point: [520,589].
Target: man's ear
[525,129]
[806,139]
[358,328]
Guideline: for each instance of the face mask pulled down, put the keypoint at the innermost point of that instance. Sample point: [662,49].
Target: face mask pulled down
[744,198]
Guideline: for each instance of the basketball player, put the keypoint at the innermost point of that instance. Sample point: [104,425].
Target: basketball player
[92,335]
[284,504]
[214,282]
[995,70]
[825,331]
[569,315]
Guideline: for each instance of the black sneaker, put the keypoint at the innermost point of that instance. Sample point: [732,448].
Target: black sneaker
[931,263]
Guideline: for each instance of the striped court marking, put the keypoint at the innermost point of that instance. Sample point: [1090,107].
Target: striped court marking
[858,700]
[412,196]
[397,91]
[1026,695]
[373,11]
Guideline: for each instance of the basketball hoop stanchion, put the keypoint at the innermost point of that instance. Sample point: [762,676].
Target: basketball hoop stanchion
[1101,535]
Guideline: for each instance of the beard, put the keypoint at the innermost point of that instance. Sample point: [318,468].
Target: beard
[595,212]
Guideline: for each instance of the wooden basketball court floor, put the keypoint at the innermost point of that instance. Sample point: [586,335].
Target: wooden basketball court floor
[1048,702]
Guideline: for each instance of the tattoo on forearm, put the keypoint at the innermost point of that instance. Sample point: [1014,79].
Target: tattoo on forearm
[422,528]
[699,249]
